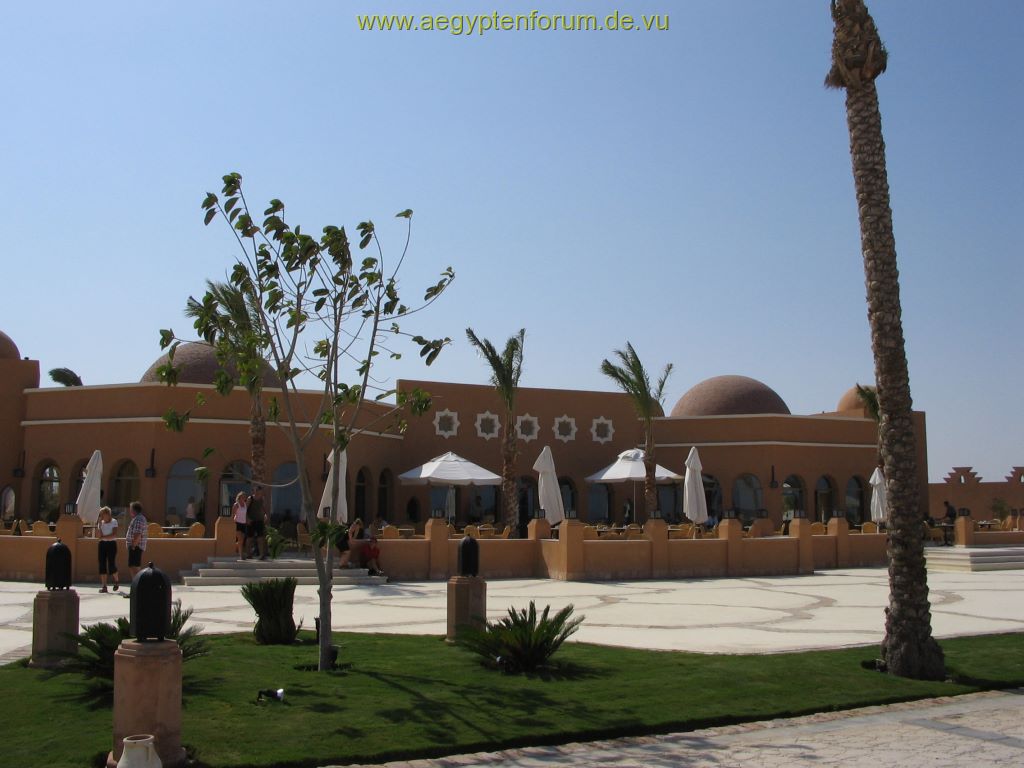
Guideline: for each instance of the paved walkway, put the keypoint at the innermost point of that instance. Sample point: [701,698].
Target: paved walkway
[756,615]
[977,730]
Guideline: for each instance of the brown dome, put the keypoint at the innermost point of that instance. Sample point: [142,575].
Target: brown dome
[8,349]
[197,364]
[850,402]
[729,395]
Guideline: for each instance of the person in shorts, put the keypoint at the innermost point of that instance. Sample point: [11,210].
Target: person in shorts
[256,516]
[240,514]
[136,538]
[106,532]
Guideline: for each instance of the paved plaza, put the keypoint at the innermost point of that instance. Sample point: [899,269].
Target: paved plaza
[830,609]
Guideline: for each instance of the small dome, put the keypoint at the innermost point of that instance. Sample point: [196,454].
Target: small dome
[197,364]
[8,349]
[729,395]
[850,402]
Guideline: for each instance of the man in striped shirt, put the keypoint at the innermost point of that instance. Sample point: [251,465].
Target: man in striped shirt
[136,538]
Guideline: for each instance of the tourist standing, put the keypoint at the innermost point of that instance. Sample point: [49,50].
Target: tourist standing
[256,515]
[106,532]
[136,538]
[240,513]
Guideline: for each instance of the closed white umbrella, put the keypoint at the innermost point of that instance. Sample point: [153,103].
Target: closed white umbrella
[339,506]
[695,504]
[879,505]
[88,503]
[548,491]
[449,469]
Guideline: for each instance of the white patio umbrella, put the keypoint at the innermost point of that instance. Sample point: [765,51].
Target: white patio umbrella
[879,505]
[548,491]
[88,503]
[339,506]
[695,503]
[449,469]
[630,466]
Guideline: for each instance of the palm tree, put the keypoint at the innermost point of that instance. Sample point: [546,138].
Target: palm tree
[868,396]
[506,368]
[65,377]
[230,324]
[631,377]
[858,57]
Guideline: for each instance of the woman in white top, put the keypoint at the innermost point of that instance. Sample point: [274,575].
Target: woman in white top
[240,514]
[106,532]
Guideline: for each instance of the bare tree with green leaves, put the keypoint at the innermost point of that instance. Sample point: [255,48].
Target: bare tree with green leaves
[858,58]
[316,310]
[631,377]
[226,319]
[506,368]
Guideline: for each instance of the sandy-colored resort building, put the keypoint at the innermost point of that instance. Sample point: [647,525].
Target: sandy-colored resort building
[760,461]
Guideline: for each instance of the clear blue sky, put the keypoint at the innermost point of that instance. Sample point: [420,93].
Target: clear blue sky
[687,190]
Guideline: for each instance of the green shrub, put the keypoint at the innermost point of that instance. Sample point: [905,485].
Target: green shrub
[276,542]
[522,641]
[272,600]
[328,532]
[97,643]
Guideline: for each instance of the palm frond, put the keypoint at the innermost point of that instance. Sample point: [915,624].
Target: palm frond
[507,367]
[65,377]
[869,399]
[631,377]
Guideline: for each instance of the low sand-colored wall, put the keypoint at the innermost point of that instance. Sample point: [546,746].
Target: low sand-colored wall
[574,555]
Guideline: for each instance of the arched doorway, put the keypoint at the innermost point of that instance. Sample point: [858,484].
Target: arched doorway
[286,495]
[599,502]
[855,501]
[793,498]
[567,488]
[747,497]
[184,488]
[824,498]
[384,486]
[712,495]
[124,484]
[236,477]
[48,484]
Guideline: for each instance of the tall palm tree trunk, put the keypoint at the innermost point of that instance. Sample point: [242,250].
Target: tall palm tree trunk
[650,484]
[258,440]
[908,649]
[509,496]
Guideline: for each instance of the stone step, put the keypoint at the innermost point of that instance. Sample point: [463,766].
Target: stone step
[218,581]
[967,559]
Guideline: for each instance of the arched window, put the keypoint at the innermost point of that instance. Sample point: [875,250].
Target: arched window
[746,496]
[359,498]
[598,503]
[286,495]
[855,500]
[125,484]
[792,496]
[79,478]
[49,492]
[824,498]
[184,488]
[236,477]
[384,495]
[526,490]
[712,495]
[7,503]
[568,490]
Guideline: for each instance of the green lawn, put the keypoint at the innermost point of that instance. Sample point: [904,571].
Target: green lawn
[404,697]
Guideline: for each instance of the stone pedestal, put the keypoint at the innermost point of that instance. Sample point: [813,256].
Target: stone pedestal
[467,604]
[147,698]
[53,614]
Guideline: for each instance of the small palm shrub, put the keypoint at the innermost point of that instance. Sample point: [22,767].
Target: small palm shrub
[276,542]
[522,641]
[97,643]
[273,600]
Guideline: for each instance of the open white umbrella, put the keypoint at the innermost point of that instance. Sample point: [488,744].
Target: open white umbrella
[695,503]
[879,505]
[630,466]
[88,503]
[548,491]
[449,469]
[339,506]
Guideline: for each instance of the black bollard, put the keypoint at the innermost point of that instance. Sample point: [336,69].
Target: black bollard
[58,566]
[469,557]
[150,614]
